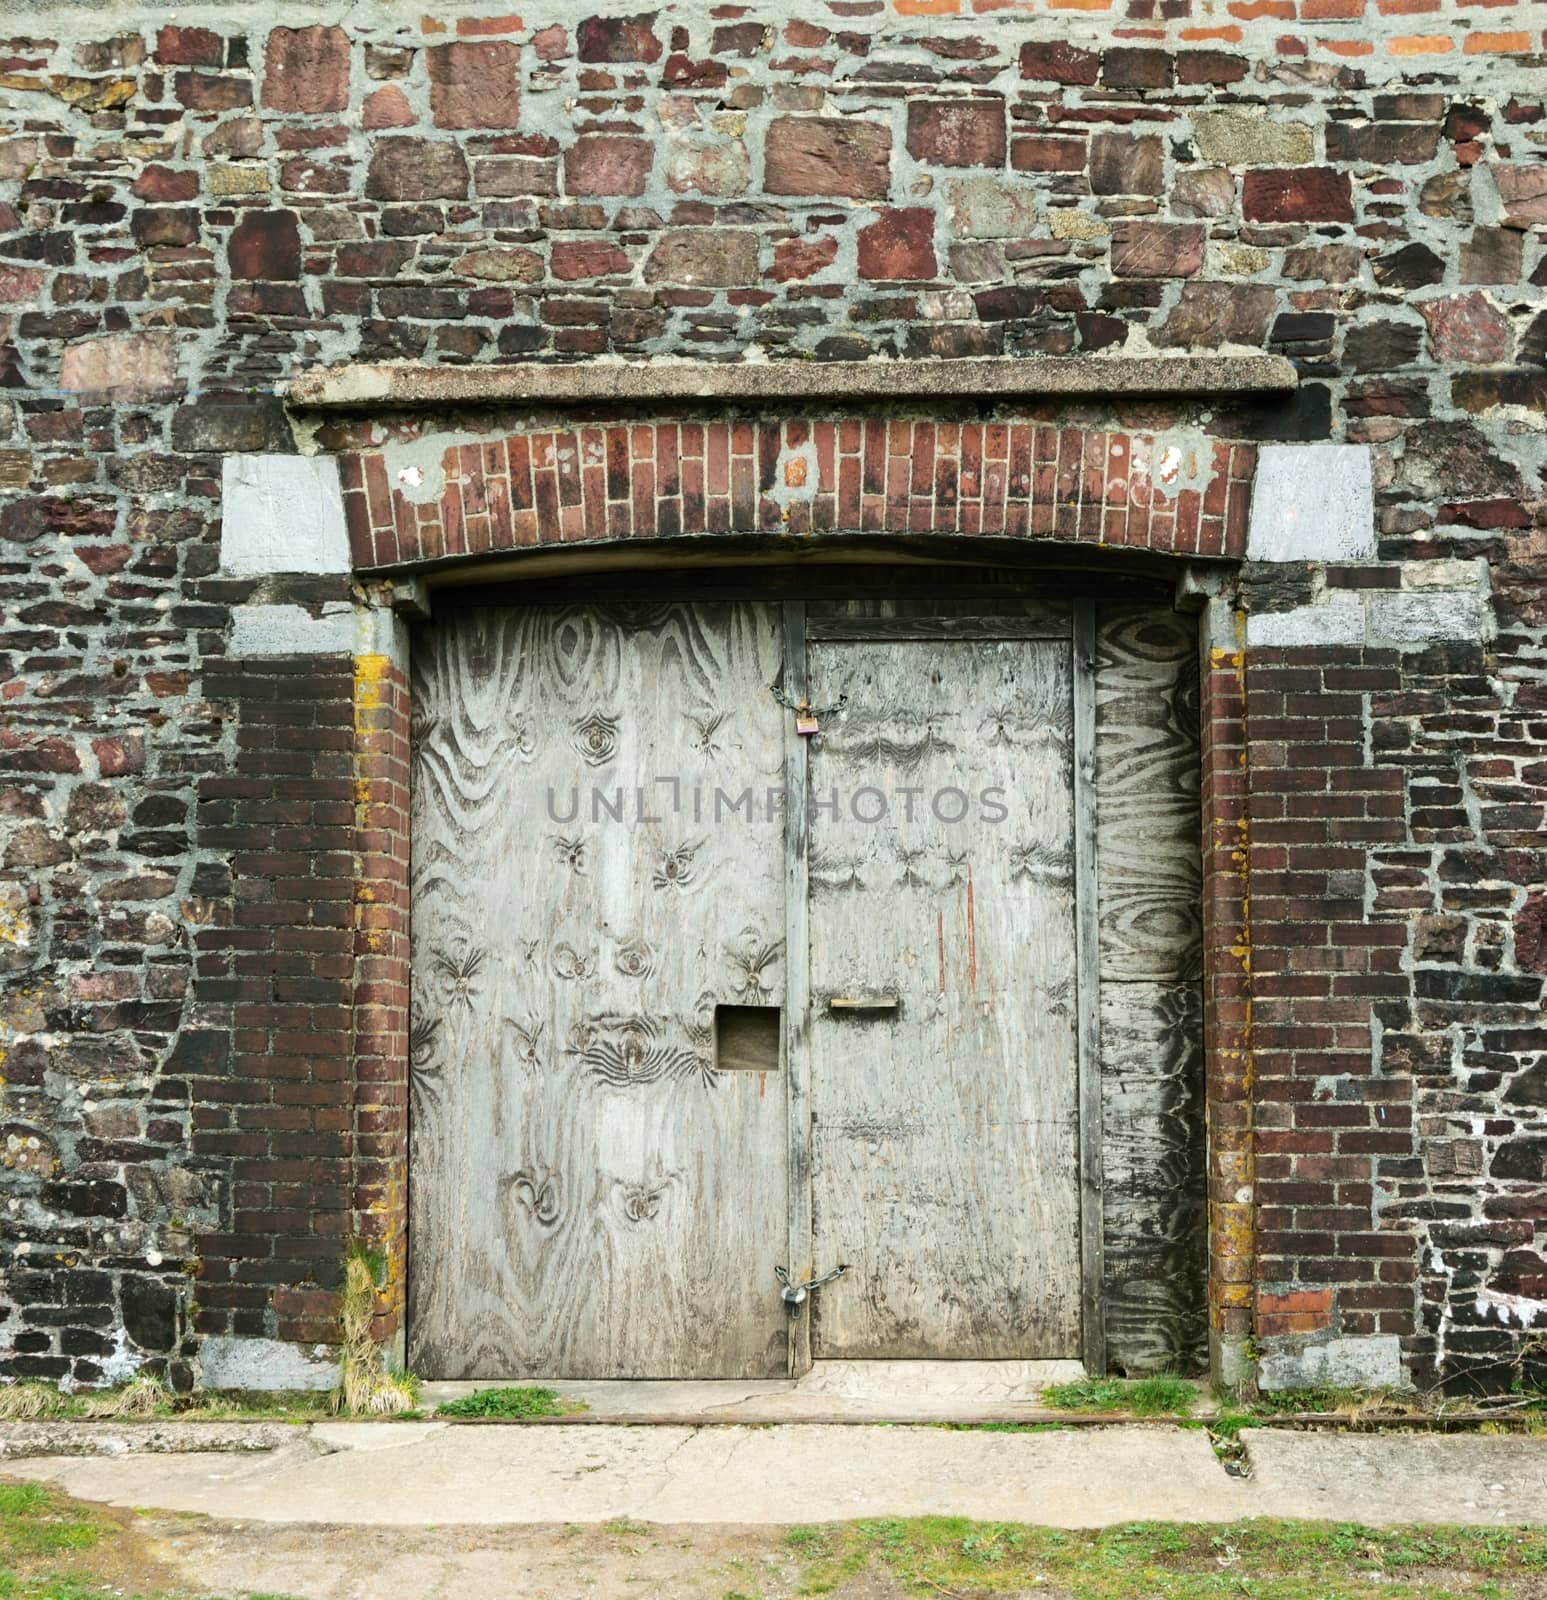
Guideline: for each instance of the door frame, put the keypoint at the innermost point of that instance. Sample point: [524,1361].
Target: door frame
[797,1031]
[966,580]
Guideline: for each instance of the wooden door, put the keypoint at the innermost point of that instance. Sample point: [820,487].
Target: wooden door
[596,1191]
[944,1052]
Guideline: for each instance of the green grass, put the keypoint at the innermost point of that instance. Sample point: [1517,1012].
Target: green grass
[507,1403]
[55,1548]
[1261,1559]
[1139,1397]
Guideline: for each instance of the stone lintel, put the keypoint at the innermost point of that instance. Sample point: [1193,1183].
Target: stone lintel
[363,385]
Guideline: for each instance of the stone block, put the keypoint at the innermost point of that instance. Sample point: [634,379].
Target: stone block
[1056,62]
[306,70]
[1211,314]
[416,169]
[957,133]
[988,208]
[618,40]
[282,514]
[265,1364]
[1157,249]
[1467,328]
[899,245]
[828,156]
[475,84]
[1124,163]
[1239,139]
[1305,194]
[607,164]
[1374,1362]
[120,362]
[1312,503]
[265,245]
[713,258]
[288,630]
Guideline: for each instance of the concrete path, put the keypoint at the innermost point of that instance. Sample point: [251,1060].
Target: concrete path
[415,1474]
[958,1391]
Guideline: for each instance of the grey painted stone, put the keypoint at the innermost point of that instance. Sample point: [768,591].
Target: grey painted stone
[1337,618]
[1312,502]
[382,385]
[1368,1363]
[379,631]
[1421,617]
[287,630]
[282,514]
[228,1363]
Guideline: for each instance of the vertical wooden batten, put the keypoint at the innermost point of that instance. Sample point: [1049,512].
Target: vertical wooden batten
[1088,997]
[797,978]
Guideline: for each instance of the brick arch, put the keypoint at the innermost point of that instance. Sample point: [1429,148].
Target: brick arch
[454,497]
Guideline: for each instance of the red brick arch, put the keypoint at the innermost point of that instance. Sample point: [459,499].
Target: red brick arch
[1015,477]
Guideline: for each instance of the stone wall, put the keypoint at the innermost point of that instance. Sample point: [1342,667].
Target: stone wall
[193,213]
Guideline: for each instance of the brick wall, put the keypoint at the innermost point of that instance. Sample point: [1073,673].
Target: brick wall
[273,1104]
[193,212]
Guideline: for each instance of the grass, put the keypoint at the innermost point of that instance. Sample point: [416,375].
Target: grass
[505,1404]
[1262,1559]
[55,1548]
[1138,1397]
[145,1399]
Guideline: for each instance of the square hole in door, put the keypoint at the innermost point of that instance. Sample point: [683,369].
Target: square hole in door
[746,1038]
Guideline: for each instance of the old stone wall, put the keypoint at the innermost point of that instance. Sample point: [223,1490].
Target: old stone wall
[192,213]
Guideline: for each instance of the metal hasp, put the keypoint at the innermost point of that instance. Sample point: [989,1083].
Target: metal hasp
[863,1002]
[796,1294]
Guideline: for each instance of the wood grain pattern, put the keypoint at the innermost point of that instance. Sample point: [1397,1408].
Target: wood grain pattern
[588,1196]
[797,976]
[944,1132]
[1156,1243]
[1149,876]
[1148,795]
[1087,967]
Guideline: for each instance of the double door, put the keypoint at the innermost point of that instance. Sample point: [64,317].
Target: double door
[746,934]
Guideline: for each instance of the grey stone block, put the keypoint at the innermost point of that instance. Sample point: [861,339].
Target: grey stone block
[228,1363]
[292,631]
[282,514]
[1337,618]
[1422,617]
[1312,502]
[1374,1362]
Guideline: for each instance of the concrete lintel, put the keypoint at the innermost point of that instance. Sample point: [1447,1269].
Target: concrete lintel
[282,514]
[232,1363]
[1312,502]
[364,385]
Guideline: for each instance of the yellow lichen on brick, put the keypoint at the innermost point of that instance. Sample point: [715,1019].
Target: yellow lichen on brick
[371,674]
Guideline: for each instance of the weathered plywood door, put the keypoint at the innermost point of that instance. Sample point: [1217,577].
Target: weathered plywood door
[944,1053]
[596,867]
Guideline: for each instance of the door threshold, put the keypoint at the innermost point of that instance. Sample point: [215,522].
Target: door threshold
[973,1392]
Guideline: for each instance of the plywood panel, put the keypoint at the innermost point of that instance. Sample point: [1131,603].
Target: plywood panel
[1147,787]
[944,1126]
[1150,936]
[595,866]
[1153,1120]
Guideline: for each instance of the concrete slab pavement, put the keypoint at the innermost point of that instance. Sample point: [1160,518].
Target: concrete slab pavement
[437,1473]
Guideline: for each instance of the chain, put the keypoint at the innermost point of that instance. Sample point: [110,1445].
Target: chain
[806,710]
